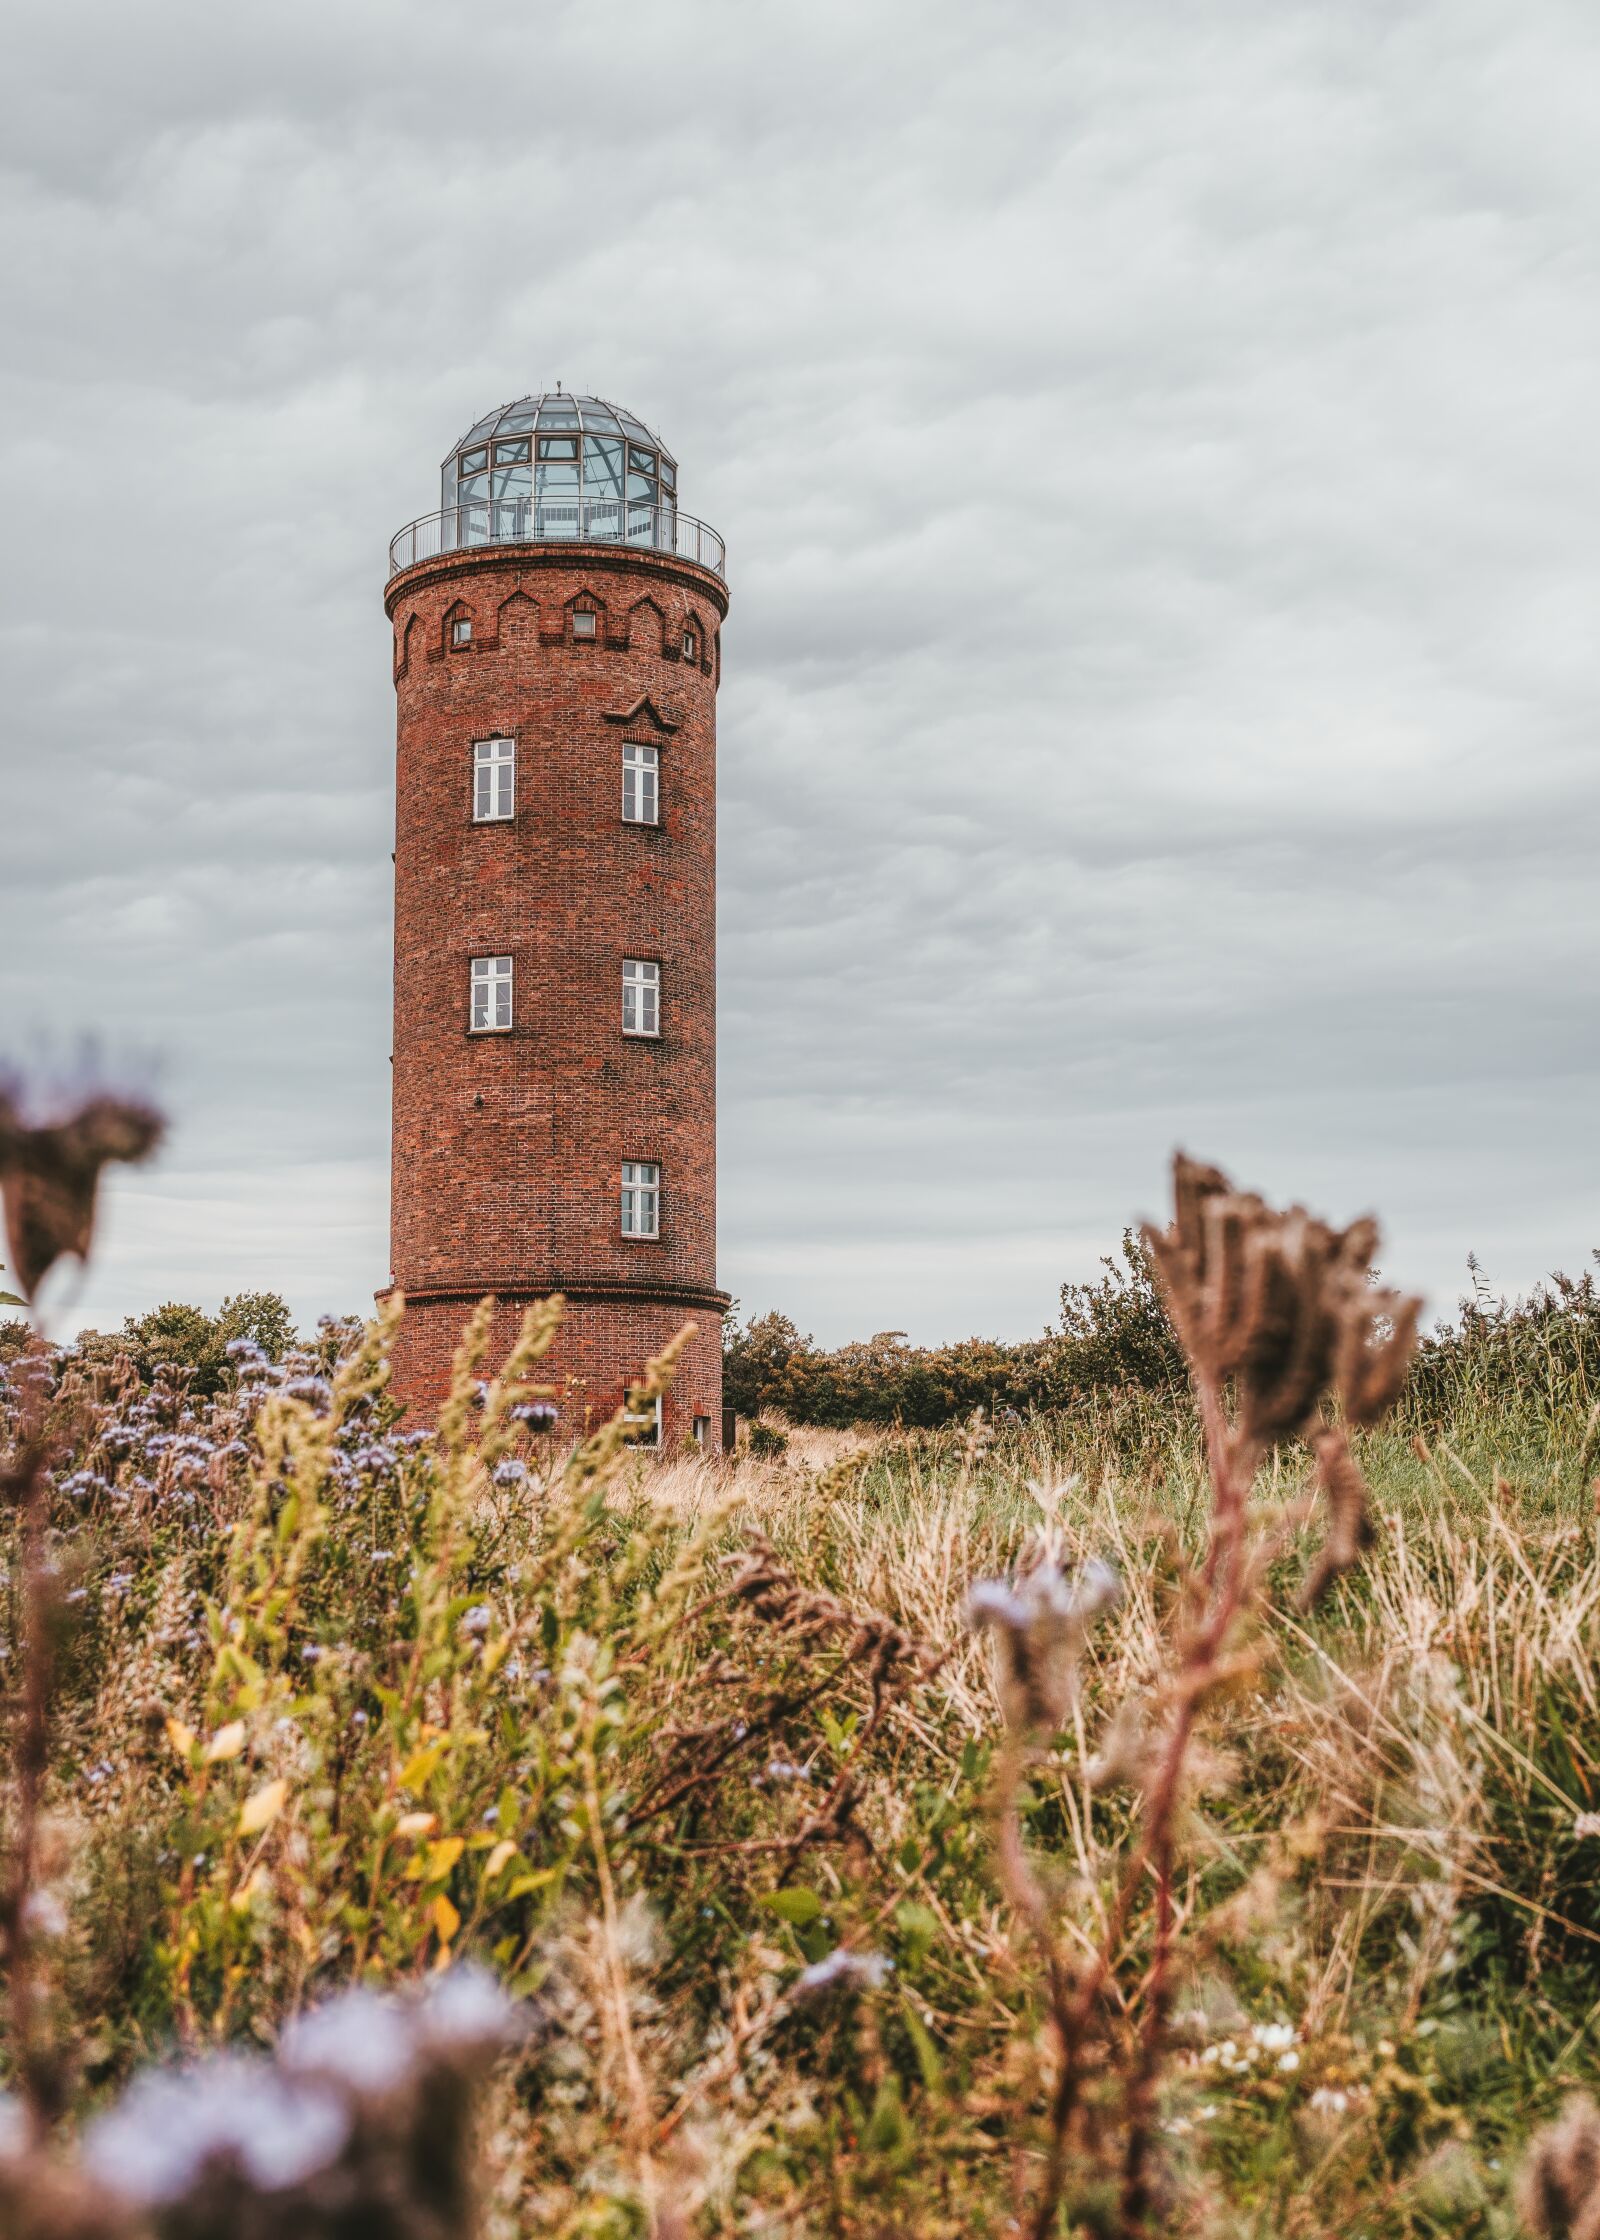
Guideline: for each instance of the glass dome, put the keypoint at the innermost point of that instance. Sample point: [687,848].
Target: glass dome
[558,467]
[563,452]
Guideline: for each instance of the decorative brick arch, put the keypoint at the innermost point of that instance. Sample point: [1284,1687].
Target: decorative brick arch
[647,626]
[457,611]
[519,612]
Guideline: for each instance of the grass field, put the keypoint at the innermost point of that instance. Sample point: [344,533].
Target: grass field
[334,1705]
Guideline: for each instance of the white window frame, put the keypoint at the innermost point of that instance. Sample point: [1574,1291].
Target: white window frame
[494,780]
[461,630]
[646,1427]
[641,783]
[641,998]
[691,642]
[585,623]
[641,1199]
[490,1003]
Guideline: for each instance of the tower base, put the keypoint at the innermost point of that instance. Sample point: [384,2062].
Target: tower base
[600,1349]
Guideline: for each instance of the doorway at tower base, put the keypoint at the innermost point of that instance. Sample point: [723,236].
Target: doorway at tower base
[600,1349]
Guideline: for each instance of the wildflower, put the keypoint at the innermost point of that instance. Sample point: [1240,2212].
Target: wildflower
[464,2012]
[1041,1623]
[510,1472]
[171,2127]
[45,1914]
[1585,1824]
[360,2038]
[475,1622]
[865,1970]
[1328,2100]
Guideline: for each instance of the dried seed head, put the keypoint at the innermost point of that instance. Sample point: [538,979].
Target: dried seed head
[1558,2190]
[1280,1304]
[50,1174]
[1040,1623]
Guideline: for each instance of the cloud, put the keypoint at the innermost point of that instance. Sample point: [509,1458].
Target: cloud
[1155,451]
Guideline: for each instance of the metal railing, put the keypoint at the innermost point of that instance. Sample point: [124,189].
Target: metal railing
[650,528]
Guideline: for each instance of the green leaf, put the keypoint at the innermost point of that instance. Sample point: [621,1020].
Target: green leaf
[798,1906]
[887,2131]
[923,2047]
[838,1731]
[919,1926]
[816,1942]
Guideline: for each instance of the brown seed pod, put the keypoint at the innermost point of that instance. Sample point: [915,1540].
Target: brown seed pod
[50,1175]
[1280,1305]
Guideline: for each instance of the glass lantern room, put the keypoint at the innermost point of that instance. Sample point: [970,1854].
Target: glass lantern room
[556,467]
[569,466]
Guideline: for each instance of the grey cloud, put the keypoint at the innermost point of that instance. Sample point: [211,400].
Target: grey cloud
[1156,454]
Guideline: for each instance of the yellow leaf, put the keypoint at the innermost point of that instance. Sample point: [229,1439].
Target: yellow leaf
[443,1855]
[416,1770]
[263,1808]
[416,1823]
[227,1742]
[258,1879]
[445,1918]
[180,1737]
[497,1859]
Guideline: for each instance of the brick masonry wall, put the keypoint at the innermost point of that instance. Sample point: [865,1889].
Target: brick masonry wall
[508,1148]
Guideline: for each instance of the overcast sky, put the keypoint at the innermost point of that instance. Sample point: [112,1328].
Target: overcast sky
[1157,450]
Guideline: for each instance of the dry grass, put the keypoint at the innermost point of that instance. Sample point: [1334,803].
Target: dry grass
[706,1762]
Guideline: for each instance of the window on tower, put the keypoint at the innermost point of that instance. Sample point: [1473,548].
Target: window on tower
[691,644]
[491,995]
[641,1198]
[641,996]
[461,630]
[644,1423]
[583,623]
[494,780]
[641,785]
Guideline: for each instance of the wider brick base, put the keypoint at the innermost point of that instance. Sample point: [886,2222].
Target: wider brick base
[599,1351]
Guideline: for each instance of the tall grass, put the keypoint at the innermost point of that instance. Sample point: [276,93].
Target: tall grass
[704,1763]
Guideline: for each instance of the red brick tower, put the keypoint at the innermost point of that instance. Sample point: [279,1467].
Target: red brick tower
[556,653]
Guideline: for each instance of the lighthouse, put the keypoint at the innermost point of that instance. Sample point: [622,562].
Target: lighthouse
[557,651]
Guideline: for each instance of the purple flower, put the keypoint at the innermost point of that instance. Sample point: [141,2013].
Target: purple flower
[866,1971]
